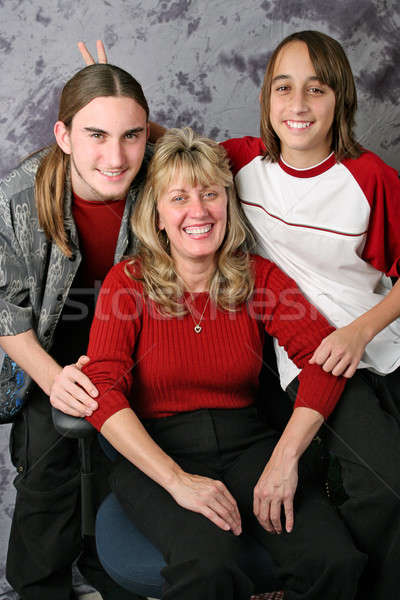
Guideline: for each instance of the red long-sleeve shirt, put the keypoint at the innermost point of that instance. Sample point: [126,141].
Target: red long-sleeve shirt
[160,366]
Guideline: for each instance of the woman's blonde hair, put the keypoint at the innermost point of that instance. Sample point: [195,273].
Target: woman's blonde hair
[333,69]
[92,82]
[200,161]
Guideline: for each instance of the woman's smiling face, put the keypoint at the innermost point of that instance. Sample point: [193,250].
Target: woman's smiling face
[194,218]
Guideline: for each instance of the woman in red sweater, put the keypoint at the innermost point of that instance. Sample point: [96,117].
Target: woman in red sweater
[176,352]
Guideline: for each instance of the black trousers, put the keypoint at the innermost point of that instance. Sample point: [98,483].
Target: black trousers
[45,536]
[364,433]
[316,561]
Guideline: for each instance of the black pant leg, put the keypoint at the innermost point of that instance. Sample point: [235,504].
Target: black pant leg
[318,558]
[89,563]
[45,534]
[202,559]
[46,529]
[364,433]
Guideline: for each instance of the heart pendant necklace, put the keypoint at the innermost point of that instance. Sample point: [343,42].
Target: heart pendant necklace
[197,326]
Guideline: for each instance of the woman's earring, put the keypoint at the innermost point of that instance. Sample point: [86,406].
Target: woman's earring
[164,239]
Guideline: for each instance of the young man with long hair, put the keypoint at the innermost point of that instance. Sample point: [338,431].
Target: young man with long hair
[64,221]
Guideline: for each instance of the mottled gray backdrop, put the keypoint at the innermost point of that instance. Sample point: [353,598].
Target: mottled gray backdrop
[201,63]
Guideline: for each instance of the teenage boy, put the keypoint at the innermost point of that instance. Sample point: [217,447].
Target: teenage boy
[64,221]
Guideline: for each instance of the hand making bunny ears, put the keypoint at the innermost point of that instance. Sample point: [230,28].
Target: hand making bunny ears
[88,58]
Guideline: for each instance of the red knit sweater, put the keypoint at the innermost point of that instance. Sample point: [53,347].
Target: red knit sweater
[98,225]
[160,366]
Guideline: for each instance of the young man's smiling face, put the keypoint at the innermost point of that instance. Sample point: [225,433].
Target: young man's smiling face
[106,144]
[302,108]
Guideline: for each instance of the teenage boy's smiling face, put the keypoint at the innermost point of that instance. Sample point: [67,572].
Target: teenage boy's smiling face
[302,109]
[106,143]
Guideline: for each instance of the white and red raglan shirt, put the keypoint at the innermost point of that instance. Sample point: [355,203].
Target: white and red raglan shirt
[334,228]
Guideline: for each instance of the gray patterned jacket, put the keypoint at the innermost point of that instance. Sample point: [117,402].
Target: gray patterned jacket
[35,276]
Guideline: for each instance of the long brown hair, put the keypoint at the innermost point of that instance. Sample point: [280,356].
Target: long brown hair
[91,82]
[333,69]
[201,161]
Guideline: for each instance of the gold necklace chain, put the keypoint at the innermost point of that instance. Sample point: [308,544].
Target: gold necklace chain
[197,327]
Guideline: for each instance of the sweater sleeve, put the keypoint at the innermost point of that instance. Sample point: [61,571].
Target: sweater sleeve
[113,335]
[299,328]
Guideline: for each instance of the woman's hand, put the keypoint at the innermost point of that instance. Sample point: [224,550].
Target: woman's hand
[277,485]
[275,491]
[203,495]
[88,58]
[208,497]
[341,351]
[72,392]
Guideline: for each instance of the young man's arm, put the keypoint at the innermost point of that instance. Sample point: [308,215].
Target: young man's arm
[72,392]
[25,349]
[341,352]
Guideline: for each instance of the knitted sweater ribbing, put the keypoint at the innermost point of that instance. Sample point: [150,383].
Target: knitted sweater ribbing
[160,366]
